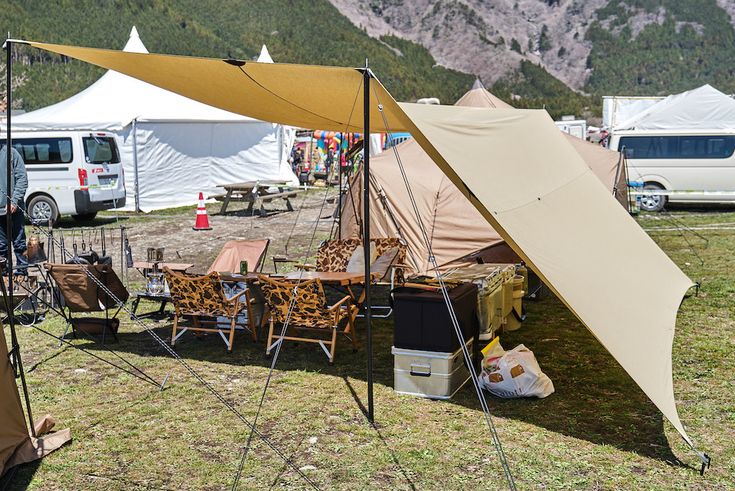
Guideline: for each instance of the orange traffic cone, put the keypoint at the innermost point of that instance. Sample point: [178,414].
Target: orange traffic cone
[202,222]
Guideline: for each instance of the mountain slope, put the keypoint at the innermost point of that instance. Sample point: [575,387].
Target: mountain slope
[596,46]
[296,31]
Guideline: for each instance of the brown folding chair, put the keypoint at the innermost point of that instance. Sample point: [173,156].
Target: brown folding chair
[308,313]
[202,299]
[235,251]
[79,292]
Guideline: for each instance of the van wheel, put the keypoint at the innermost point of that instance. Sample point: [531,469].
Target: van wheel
[653,202]
[43,209]
[84,217]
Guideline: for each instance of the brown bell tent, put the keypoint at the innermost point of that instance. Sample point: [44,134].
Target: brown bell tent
[455,227]
[16,445]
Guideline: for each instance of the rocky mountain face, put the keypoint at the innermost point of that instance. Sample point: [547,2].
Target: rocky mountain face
[490,38]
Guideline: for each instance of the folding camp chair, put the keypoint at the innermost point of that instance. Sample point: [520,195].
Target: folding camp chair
[308,312]
[79,290]
[235,251]
[333,255]
[202,299]
[391,265]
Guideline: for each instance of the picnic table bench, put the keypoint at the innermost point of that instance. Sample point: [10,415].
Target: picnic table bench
[256,191]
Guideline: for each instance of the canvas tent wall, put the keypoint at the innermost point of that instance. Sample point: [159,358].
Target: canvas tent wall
[616,109]
[456,229]
[581,252]
[16,445]
[701,109]
[176,146]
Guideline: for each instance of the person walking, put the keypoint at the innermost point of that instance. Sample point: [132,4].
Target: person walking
[19,185]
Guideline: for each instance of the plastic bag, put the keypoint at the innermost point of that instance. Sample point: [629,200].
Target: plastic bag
[514,373]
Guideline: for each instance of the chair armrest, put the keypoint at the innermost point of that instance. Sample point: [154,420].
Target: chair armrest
[305,267]
[346,301]
[235,301]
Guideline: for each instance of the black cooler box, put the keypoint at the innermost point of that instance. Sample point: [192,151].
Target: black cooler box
[422,319]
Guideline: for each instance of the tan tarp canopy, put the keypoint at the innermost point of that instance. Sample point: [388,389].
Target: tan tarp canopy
[455,227]
[586,254]
[16,445]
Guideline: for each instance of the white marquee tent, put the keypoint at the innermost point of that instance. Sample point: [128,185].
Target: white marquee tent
[171,146]
[704,108]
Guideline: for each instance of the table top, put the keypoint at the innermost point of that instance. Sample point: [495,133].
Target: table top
[330,277]
[236,277]
[161,264]
[251,184]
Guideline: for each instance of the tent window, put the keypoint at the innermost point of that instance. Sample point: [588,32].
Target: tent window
[43,150]
[98,150]
[678,147]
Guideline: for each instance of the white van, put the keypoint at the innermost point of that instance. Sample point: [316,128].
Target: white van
[75,173]
[700,165]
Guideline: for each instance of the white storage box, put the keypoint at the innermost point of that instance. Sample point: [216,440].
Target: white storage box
[430,374]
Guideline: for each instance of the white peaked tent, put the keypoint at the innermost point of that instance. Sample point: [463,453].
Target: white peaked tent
[171,147]
[704,108]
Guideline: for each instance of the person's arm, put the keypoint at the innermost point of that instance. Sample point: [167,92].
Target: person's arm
[20,179]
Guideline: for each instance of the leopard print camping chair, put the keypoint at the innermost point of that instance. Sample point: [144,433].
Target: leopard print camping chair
[202,298]
[308,313]
[384,244]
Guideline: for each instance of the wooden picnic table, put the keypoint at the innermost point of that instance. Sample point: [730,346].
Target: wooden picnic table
[252,191]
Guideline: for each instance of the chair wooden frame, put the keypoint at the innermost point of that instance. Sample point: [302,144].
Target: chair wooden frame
[331,316]
[218,305]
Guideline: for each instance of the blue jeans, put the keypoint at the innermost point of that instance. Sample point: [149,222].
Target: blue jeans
[19,241]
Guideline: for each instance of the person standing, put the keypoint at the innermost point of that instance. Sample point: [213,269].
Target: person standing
[328,162]
[19,185]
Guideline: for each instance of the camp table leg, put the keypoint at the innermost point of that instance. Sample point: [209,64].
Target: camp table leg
[226,201]
[250,198]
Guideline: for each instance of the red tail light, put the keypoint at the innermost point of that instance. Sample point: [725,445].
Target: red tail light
[83,180]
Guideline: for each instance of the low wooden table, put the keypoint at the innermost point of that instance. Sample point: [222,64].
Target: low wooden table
[178,267]
[161,298]
[327,277]
[252,191]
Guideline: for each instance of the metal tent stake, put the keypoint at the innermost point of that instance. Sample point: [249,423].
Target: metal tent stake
[366,234]
[8,293]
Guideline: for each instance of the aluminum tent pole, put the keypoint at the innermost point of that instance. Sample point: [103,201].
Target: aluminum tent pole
[15,347]
[135,165]
[339,193]
[366,234]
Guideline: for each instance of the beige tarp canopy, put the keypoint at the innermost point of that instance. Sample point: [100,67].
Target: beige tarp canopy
[584,253]
[455,227]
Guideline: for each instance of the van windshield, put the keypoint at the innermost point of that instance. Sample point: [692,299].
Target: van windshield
[98,150]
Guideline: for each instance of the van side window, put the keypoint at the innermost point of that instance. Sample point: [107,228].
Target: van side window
[43,150]
[678,147]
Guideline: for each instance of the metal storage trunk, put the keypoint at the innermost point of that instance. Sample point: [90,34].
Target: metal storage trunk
[430,374]
[422,319]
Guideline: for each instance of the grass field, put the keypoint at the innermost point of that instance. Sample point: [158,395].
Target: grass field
[597,431]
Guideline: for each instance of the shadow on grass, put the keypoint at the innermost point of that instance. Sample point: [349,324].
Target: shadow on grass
[19,477]
[595,399]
